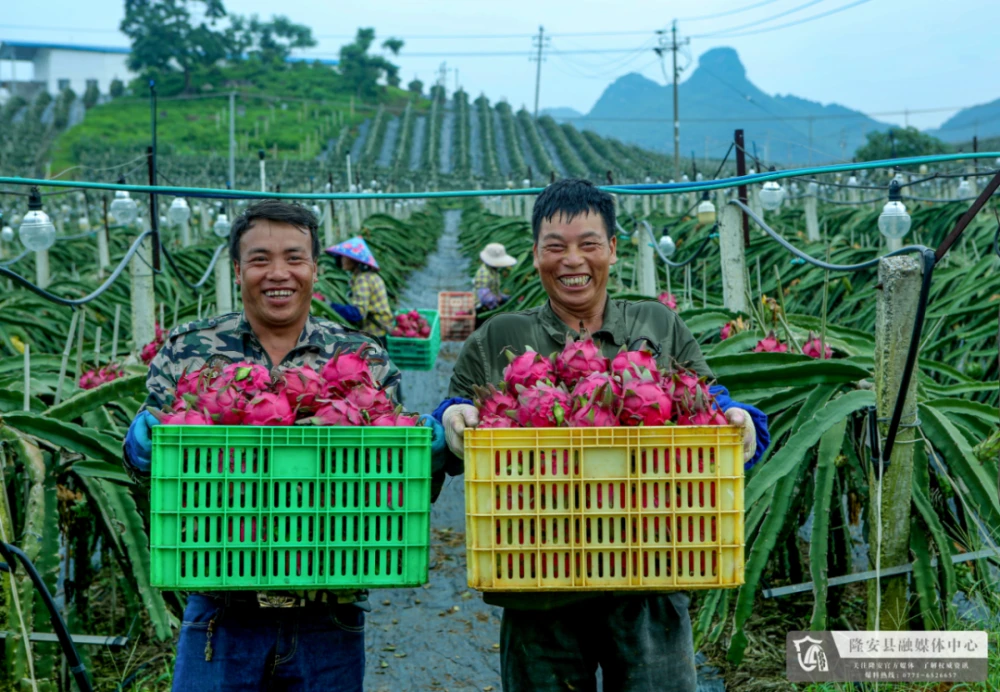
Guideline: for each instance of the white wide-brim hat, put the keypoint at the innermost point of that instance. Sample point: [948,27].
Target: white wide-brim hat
[495,255]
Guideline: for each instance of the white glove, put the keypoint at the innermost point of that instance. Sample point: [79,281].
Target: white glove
[455,420]
[738,416]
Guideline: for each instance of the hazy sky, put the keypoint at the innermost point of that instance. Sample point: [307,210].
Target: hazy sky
[879,56]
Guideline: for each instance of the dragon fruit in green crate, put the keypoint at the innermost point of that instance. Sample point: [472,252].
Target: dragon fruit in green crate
[343,392]
[411,325]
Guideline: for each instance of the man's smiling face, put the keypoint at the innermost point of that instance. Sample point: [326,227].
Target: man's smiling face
[573,257]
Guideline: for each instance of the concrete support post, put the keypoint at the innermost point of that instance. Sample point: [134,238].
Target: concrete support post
[733,259]
[42,268]
[646,269]
[342,230]
[185,234]
[143,296]
[328,236]
[812,219]
[223,286]
[895,313]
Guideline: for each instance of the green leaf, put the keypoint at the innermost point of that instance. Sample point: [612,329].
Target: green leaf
[91,444]
[737,343]
[921,500]
[829,447]
[124,526]
[807,435]
[980,489]
[926,580]
[13,400]
[749,370]
[90,399]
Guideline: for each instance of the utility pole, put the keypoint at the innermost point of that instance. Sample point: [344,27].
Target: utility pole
[673,47]
[232,140]
[538,42]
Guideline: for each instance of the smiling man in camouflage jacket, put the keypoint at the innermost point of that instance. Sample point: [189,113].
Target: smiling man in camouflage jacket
[246,640]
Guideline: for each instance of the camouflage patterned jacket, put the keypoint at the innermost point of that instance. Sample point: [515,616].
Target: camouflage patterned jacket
[229,339]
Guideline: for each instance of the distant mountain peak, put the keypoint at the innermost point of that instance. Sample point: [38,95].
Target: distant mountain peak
[724,62]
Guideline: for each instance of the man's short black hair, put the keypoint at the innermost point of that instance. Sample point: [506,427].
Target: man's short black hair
[572,197]
[274,210]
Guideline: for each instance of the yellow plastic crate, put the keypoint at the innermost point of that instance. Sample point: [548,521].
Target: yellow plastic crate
[582,509]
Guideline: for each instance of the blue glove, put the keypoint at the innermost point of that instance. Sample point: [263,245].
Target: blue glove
[139,441]
[437,433]
[348,312]
[758,417]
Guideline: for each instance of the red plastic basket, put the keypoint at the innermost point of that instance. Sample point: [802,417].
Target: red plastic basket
[457,312]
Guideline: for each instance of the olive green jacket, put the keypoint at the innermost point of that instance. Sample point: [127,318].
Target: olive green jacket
[626,323]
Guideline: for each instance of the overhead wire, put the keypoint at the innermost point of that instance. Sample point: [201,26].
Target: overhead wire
[727,13]
[795,23]
[785,13]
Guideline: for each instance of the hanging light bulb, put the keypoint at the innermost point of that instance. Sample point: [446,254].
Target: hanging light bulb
[852,182]
[525,183]
[771,195]
[123,208]
[667,245]
[36,232]
[222,225]
[84,223]
[794,189]
[179,211]
[7,234]
[964,188]
[894,222]
[317,212]
[699,177]
[923,169]
[648,181]
[812,189]
[706,210]
[685,178]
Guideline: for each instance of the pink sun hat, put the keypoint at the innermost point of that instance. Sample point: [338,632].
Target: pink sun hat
[356,249]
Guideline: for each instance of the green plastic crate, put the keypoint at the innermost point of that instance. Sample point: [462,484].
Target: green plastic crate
[417,354]
[274,508]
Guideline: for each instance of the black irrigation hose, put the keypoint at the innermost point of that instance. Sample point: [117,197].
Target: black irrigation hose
[208,272]
[9,552]
[86,299]
[17,259]
[909,249]
[847,203]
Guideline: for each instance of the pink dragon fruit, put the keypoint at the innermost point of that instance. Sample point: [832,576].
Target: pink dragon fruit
[644,401]
[709,415]
[396,419]
[542,406]
[585,389]
[814,348]
[89,380]
[669,300]
[248,378]
[269,408]
[346,370]
[338,412]
[527,369]
[302,387]
[578,359]
[493,405]
[770,344]
[634,363]
[186,418]
[192,382]
[598,410]
[149,352]
[369,400]
[726,331]
[226,404]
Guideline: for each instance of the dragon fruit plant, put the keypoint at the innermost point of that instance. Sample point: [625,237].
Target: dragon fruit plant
[95,378]
[343,392]
[814,348]
[770,344]
[668,299]
[412,325]
[580,387]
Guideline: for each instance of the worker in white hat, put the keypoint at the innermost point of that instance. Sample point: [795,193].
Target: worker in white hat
[488,277]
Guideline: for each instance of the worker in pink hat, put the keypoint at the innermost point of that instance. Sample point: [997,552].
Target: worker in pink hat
[368,303]
[488,277]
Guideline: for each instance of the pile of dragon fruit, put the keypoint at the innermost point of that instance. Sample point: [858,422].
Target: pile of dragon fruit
[342,393]
[95,378]
[580,387]
[412,325]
